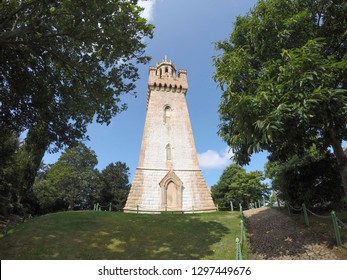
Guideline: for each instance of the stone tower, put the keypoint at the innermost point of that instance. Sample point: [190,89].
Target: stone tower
[168,176]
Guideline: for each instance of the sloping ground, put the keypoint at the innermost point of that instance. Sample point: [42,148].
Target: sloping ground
[275,236]
[99,235]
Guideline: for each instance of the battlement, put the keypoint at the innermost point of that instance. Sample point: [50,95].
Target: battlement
[164,77]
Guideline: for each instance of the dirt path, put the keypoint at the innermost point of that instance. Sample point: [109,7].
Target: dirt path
[275,236]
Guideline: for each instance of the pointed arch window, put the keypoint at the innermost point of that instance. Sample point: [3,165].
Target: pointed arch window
[168,152]
[167,115]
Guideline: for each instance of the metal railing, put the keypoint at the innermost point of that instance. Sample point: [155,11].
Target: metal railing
[336,222]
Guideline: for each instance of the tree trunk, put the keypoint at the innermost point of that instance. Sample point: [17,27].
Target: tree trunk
[31,154]
[341,159]
[343,173]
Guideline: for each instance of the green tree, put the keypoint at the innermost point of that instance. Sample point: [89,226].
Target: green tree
[115,187]
[46,195]
[301,180]
[283,73]
[238,186]
[9,146]
[72,182]
[63,64]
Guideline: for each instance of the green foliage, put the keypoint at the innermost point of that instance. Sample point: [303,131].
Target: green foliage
[283,72]
[72,182]
[63,62]
[115,184]
[238,186]
[301,180]
[9,146]
[63,65]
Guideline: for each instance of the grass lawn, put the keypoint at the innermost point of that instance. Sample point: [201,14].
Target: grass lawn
[97,235]
[322,224]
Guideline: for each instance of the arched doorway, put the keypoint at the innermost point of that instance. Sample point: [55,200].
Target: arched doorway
[171,192]
[172,197]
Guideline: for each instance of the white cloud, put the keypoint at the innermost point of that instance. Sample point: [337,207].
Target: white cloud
[147,13]
[213,160]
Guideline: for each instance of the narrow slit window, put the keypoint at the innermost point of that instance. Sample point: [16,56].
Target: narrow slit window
[168,152]
[167,115]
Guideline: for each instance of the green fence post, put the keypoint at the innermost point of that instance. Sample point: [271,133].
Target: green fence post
[336,228]
[238,250]
[305,214]
[137,209]
[243,232]
[110,207]
[217,208]
[193,209]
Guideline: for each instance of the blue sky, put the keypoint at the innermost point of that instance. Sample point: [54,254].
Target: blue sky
[185,31]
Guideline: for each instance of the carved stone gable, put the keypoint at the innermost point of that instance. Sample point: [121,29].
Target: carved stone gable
[171,192]
[171,176]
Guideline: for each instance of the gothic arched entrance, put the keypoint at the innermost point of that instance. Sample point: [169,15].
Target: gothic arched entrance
[171,192]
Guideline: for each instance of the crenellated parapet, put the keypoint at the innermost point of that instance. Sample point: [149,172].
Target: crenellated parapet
[164,77]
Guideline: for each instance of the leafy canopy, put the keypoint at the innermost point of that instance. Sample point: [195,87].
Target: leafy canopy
[63,65]
[65,62]
[283,73]
[71,181]
[238,186]
[115,184]
[301,180]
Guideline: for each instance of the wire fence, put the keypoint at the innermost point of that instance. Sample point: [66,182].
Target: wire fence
[241,241]
[337,223]
[142,210]
[251,205]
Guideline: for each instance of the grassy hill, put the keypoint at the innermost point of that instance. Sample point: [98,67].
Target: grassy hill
[109,235]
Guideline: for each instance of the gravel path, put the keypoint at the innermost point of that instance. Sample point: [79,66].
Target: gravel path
[274,236]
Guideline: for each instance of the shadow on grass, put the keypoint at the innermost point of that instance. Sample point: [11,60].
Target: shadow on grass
[94,235]
[274,235]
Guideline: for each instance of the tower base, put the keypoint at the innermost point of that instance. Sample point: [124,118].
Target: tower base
[178,191]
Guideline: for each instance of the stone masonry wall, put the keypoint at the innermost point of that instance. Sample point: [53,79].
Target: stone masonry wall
[168,145]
